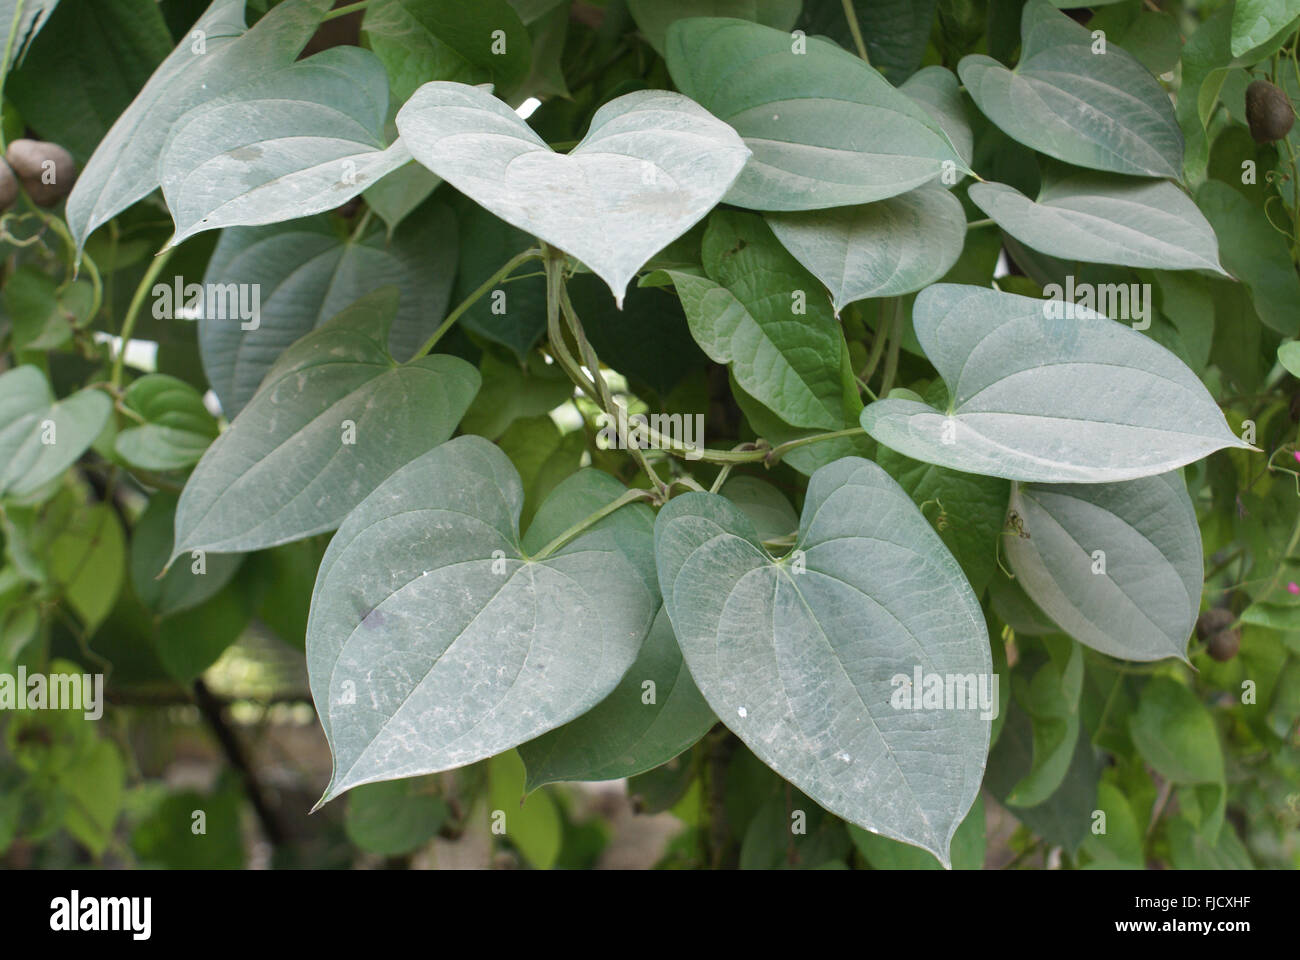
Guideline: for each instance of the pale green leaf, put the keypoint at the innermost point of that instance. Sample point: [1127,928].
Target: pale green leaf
[335,417]
[882,249]
[652,164]
[825,129]
[1099,110]
[438,637]
[1106,218]
[803,657]
[1116,565]
[1036,398]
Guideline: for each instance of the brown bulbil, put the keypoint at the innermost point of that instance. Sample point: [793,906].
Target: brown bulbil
[1213,621]
[1268,111]
[45,170]
[1224,645]
[8,187]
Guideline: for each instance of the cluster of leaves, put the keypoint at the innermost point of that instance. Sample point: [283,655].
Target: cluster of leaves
[457,356]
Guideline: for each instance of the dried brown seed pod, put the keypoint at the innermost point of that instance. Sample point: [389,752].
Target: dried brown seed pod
[8,187]
[1224,645]
[1212,621]
[46,170]
[1268,111]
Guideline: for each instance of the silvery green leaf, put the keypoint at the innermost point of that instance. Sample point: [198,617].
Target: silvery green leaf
[761,312]
[1099,110]
[303,273]
[40,437]
[882,249]
[438,637]
[624,735]
[289,144]
[217,54]
[333,419]
[654,17]
[803,657]
[826,129]
[938,91]
[1041,399]
[21,33]
[652,165]
[1106,218]
[1116,565]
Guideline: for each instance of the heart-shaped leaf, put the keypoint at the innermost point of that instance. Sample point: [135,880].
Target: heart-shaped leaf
[39,436]
[267,287]
[810,659]
[1037,398]
[217,54]
[761,312]
[654,714]
[439,637]
[289,144]
[1068,99]
[826,129]
[1106,218]
[176,426]
[1117,565]
[334,418]
[881,249]
[652,165]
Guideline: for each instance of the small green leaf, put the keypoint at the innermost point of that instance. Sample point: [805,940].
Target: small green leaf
[1255,253]
[394,817]
[188,583]
[177,427]
[763,314]
[1175,733]
[39,436]
[1255,22]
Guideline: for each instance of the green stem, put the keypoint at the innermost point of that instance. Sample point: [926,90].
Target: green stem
[133,311]
[781,449]
[627,497]
[976,224]
[345,10]
[877,345]
[851,16]
[473,298]
[606,398]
